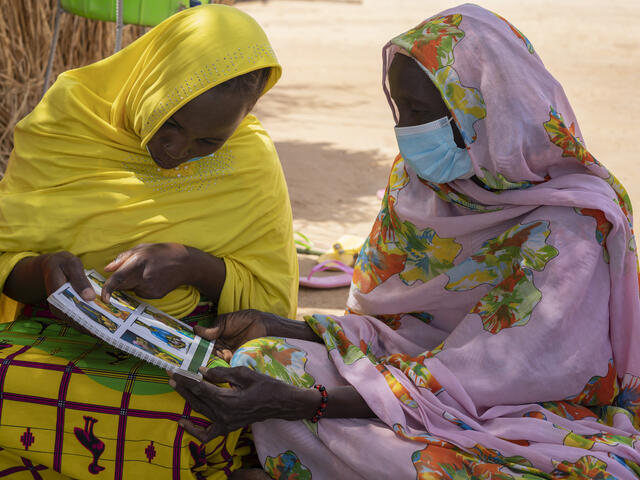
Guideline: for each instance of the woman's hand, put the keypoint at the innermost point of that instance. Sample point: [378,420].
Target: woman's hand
[33,279]
[234,329]
[62,267]
[152,270]
[252,397]
[231,330]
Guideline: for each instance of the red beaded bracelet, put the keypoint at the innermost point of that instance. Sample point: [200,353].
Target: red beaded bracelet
[323,403]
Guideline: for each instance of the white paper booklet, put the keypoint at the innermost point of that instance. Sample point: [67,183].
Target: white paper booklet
[136,327]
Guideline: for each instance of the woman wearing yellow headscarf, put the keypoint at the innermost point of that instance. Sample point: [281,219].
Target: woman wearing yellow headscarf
[146,166]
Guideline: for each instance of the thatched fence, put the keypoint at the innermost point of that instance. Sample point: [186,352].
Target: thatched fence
[26,28]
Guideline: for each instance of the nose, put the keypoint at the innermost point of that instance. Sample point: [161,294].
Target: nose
[176,147]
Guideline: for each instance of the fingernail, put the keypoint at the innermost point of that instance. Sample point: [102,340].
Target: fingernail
[172,383]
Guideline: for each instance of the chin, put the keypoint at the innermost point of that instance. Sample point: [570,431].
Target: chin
[166,163]
[165,166]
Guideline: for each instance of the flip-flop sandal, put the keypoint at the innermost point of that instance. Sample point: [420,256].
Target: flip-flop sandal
[333,281]
[345,250]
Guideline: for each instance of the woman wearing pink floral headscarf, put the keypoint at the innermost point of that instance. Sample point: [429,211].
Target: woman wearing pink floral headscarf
[495,305]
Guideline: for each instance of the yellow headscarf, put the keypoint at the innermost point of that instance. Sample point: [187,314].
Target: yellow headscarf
[80,179]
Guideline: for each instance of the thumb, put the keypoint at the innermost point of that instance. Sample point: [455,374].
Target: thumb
[210,333]
[221,375]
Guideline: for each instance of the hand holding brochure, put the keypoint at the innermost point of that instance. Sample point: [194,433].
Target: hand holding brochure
[136,327]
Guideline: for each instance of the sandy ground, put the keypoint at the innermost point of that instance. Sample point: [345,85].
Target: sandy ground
[333,128]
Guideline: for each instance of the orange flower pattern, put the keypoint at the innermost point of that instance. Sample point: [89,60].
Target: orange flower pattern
[399,247]
[599,390]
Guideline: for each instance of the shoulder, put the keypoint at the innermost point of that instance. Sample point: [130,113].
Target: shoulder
[252,142]
[252,131]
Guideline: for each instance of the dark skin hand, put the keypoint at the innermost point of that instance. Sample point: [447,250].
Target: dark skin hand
[199,128]
[35,278]
[152,270]
[416,97]
[253,396]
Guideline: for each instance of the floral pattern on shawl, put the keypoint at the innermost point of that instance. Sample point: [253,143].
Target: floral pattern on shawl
[412,367]
[599,390]
[587,466]
[432,43]
[447,193]
[450,462]
[393,319]
[564,137]
[517,33]
[444,460]
[286,466]
[506,263]
[629,397]
[603,227]
[334,338]
[399,247]
[415,369]
[497,181]
[275,357]
[588,441]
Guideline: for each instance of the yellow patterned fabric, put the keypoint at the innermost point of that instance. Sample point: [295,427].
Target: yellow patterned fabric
[80,178]
[75,407]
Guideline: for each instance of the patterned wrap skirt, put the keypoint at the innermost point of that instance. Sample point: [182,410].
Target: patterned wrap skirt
[72,406]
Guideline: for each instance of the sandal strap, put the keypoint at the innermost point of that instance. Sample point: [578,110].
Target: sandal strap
[322,266]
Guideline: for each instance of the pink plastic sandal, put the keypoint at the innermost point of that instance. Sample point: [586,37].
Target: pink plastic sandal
[333,281]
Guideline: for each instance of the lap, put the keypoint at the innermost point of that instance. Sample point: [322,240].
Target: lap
[73,404]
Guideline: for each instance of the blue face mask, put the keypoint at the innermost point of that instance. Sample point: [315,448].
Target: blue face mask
[432,152]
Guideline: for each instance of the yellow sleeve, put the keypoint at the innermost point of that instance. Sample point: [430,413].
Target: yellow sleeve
[269,290]
[261,263]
